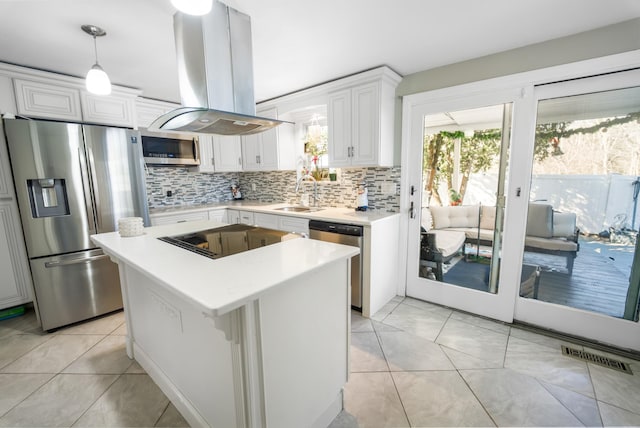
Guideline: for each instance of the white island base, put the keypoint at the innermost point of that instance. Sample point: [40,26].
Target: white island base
[278,357]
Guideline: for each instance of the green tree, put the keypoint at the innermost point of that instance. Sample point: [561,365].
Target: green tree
[477,153]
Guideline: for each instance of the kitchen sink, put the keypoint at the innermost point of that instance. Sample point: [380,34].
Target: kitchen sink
[299,209]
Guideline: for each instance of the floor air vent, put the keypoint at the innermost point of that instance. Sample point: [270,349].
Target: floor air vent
[597,359]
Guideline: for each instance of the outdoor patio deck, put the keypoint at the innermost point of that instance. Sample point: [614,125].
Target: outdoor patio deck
[599,281]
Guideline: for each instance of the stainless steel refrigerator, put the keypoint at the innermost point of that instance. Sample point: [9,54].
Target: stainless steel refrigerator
[72,181]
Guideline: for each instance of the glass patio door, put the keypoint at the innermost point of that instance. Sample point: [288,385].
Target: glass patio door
[459,155]
[580,271]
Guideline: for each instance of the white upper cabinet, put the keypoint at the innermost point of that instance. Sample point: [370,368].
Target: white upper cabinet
[361,119]
[227,152]
[148,110]
[219,153]
[111,109]
[339,128]
[46,95]
[205,144]
[49,101]
[269,150]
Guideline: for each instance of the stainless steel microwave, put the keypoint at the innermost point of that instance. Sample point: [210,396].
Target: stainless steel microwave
[170,149]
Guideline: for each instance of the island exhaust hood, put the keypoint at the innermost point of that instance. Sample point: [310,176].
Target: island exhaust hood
[215,71]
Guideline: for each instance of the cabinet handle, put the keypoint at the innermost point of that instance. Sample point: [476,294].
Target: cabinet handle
[239,161]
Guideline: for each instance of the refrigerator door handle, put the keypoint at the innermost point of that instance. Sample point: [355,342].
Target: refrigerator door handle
[84,179]
[94,188]
[74,261]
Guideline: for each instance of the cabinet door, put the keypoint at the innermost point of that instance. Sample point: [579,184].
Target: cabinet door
[179,218]
[246,217]
[293,224]
[15,285]
[233,216]
[149,110]
[218,215]
[227,153]
[107,110]
[366,125]
[205,144]
[269,150]
[6,186]
[37,99]
[269,221]
[339,124]
[251,152]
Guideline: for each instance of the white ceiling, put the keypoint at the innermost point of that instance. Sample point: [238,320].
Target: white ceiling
[296,43]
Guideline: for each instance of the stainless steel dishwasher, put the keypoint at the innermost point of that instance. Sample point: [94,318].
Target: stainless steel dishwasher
[346,234]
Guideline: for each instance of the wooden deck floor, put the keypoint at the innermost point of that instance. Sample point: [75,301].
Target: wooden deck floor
[597,284]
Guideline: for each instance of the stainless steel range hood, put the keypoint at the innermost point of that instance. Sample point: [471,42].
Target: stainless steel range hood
[215,70]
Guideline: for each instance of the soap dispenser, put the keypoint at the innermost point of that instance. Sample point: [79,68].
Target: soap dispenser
[362,202]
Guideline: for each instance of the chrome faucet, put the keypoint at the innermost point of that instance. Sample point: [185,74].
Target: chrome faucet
[315,187]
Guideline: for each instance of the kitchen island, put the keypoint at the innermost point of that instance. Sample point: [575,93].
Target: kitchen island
[258,338]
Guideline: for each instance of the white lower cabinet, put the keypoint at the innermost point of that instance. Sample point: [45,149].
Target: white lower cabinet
[270,221]
[240,217]
[218,215]
[179,218]
[293,224]
[15,285]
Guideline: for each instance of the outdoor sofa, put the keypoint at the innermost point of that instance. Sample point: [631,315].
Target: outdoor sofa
[446,229]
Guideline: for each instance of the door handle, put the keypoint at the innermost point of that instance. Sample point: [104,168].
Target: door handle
[84,180]
[411,211]
[74,261]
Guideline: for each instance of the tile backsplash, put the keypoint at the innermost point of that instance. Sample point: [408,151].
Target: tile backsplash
[191,188]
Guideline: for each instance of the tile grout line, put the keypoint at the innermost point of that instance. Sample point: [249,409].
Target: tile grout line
[162,413]
[96,400]
[26,352]
[495,423]
[563,405]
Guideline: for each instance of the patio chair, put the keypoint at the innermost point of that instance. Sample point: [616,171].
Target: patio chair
[438,247]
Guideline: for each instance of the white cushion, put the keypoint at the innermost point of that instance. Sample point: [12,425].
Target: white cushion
[425,218]
[458,216]
[488,217]
[540,220]
[448,242]
[561,244]
[564,224]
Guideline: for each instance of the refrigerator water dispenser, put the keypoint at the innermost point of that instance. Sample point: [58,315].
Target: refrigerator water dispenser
[48,197]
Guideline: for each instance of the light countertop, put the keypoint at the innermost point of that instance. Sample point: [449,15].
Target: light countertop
[342,215]
[221,285]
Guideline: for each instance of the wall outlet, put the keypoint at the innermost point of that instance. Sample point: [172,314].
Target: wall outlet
[253,187]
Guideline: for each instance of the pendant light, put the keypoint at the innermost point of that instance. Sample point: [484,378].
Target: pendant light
[97,80]
[193,7]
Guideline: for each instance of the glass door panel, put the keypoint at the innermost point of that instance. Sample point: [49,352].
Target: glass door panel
[582,227]
[464,162]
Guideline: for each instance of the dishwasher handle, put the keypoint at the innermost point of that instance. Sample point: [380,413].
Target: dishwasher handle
[339,228]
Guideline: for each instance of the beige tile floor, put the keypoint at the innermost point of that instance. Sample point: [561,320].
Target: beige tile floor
[412,364]
[77,376]
[417,364]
